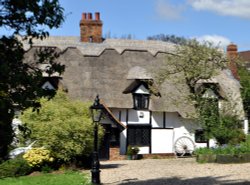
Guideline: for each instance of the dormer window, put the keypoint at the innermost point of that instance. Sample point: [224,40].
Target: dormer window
[141,101]
[48,86]
[91,39]
[139,89]
[50,83]
[209,93]
[141,97]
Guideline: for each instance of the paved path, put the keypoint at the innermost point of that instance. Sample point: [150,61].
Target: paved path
[181,171]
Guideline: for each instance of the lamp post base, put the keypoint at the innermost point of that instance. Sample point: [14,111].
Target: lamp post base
[95,169]
[95,176]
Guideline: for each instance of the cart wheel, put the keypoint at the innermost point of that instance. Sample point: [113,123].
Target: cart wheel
[184,145]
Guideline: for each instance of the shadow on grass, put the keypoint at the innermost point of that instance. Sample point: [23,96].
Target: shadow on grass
[179,181]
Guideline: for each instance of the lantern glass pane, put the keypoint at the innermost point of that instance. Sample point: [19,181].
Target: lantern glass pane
[96,115]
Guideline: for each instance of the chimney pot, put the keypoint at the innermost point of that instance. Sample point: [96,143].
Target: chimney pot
[89,16]
[232,47]
[91,30]
[232,54]
[97,16]
[84,16]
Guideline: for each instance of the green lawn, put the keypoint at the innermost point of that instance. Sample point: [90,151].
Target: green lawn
[68,178]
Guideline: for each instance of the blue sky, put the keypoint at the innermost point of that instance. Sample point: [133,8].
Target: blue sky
[222,21]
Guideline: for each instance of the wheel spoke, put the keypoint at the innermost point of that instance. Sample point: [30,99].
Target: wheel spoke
[184,145]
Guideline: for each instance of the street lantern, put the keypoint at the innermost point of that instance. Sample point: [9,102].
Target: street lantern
[96,110]
[96,113]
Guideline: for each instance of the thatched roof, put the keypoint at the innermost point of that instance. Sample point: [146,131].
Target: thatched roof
[107,69]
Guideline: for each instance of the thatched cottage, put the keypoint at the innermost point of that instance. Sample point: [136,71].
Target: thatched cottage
[119,71]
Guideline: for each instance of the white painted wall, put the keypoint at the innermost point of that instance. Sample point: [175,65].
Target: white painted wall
[144,150]
[184,127]
[157,119]
[246,126]
[123,116]
[123,142]
[141,90]
[134,117]
[162,141]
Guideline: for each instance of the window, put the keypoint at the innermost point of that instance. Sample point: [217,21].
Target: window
[91,39]
[141,101]
[139,135]
[200,136]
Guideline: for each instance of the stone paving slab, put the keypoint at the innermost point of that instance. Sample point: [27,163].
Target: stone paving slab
[180,171]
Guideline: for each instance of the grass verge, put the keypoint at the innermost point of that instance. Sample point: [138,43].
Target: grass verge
[68,178]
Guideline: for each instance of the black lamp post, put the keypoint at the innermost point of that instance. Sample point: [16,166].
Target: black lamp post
[96,113]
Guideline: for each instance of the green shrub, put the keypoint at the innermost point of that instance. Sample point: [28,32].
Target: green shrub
[14,168]
[132,150]
[243,148]
[46,169]
[203,151]
[247,139]
[224,127]
[62,126]
[229,130]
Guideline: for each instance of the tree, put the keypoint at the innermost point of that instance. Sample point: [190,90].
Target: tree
[62,126]
[224,127]
[20,81]
[194,62]
[169,38]
[123,36]
[245,83]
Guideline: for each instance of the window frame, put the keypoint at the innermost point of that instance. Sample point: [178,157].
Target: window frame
[141,101]
[201,136]
[136,132]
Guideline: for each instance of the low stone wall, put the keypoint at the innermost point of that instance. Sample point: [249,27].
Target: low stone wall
[114,155]
[206,158]
[223,159]
[158,156]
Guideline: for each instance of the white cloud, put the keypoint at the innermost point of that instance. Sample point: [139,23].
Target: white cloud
[168,11]
[238,8]
[217,40]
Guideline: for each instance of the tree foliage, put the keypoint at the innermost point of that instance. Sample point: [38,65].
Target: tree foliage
[245,83]
[19,80]
[225,128]
[30,17]
[169,38]
[228,130]
[62,126]
[195,62]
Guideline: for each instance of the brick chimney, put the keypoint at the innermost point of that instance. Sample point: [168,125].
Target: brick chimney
[91,30]
[232,54]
